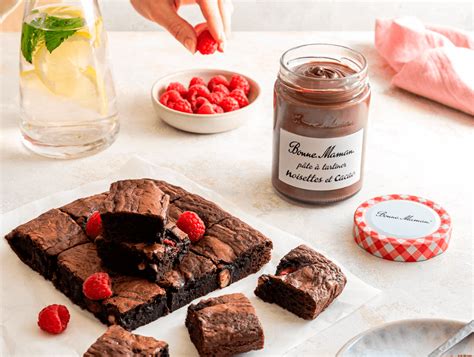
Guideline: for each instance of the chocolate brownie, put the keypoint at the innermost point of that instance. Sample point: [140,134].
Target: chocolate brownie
[39,241]
[236,248]
[119,342]
[81,209]
[224,326]
[175,192]
[305,283]
[209,212]
[194,277]
[135,301]
[149,260]
[135,211]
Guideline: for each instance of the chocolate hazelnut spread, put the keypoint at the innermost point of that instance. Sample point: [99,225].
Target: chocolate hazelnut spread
[321,103]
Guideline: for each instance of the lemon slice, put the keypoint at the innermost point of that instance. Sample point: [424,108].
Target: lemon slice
[69,72]
[62,11]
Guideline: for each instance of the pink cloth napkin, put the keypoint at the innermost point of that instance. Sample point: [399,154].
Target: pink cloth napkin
[434,62]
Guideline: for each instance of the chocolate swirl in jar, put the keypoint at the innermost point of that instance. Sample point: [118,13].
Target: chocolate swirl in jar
[320,115]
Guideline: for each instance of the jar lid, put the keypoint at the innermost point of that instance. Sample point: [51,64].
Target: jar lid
[403,228]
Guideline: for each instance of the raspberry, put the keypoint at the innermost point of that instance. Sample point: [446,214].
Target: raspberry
[206,109]
[170,97]
[219,79]
[182,105]
[237,81]
[98,286]
[286,271]
[177,87]
[94,225]
[229,104]
[217,97]
[206,43]
[197,80]
[167,241]
[201,101]
[53,318]
[240,97]
[190,223]
[198,90]
[221,88]
[217,109]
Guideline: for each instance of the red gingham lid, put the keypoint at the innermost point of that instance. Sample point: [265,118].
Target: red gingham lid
[404,228]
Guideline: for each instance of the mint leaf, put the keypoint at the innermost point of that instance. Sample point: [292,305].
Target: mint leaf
[59,23]
[54,30]
[54,38]
[59,29]
[30,36]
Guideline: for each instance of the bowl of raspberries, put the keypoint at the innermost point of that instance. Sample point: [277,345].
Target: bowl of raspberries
[205,101]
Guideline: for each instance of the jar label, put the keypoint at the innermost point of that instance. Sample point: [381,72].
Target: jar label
[320,164]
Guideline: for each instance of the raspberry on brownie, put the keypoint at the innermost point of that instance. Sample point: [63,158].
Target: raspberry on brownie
[135,301]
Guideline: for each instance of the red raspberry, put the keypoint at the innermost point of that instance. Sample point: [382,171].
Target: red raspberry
[170,97]
[98,286]
[217,109]
[221,88]
[229,104]
[217,97]
[286,271]
[201,101]
[94,225]
[53,318]
[197,80]
[182,105]
[237,81]
[167,241]
[206,43]
[198,90]
[177,87]
[219,79]
[206,109]
[190,223]
[240,97]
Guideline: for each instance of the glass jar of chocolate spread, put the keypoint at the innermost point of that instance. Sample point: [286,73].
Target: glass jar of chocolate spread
[321,106]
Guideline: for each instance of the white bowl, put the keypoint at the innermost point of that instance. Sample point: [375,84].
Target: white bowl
[203,123]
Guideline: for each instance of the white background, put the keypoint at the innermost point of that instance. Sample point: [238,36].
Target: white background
[312,15]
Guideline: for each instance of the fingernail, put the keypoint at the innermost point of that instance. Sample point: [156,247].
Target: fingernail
[221,47]
[189,44]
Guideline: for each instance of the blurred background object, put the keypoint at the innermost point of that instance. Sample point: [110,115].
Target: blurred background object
[311,15]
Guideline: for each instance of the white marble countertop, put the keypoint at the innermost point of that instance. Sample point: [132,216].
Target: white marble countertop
[415,146]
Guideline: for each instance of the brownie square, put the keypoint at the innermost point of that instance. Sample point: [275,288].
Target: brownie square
[194,277]
[135,211]
[39,241]
[236,248]
[119,342]
[224,326]
[135,301]
[81,209]
[306,283]
[149,260]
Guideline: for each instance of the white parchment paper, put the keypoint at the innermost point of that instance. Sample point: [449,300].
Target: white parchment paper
[24,292]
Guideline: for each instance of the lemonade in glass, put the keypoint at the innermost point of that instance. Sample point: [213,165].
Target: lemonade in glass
[67,97]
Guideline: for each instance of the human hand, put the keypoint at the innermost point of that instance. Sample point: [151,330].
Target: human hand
[165,13]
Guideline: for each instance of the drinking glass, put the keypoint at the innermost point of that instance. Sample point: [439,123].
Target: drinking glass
[67,97]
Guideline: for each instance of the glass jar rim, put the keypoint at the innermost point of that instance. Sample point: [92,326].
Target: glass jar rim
[362,70]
